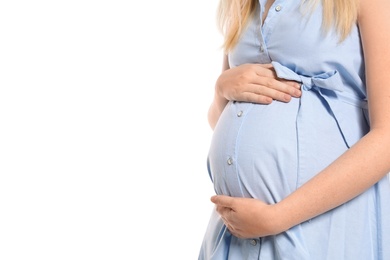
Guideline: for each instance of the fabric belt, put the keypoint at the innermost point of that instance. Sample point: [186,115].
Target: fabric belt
[329,86]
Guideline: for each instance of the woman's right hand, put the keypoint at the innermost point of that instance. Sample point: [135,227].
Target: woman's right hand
[256,83]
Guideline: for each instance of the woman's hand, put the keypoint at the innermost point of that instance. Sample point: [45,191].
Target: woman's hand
[249,218]
[256,83]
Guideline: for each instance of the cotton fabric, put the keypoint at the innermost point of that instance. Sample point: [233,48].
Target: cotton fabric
[268,151]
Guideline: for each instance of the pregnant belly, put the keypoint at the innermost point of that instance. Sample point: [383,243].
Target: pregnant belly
[268,151]
[253,151]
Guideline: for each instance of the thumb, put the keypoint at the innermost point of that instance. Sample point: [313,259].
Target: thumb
[222,200]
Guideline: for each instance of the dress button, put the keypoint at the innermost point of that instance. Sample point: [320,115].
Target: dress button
[239,114]
[253,242]
[230,161]
[278,8]
[261,48]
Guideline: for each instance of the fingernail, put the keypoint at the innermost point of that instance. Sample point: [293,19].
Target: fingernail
[297,93]
[286,97]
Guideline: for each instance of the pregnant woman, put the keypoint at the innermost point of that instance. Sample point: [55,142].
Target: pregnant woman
[301,143]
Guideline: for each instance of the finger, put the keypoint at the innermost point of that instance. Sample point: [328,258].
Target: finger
[263,86]
[265,70]
[259,94]
[222,210]
[230,228]
[255,98]
[291,83]
[222,200]
[277,84]
[228,224]
[276,95]
[270,72]
[234,231]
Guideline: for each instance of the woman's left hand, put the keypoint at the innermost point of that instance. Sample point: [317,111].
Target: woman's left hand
[248,218]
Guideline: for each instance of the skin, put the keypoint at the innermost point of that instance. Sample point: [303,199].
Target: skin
[352,173]
[256,83]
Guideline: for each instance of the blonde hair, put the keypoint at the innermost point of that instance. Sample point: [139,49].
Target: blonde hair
[233,15]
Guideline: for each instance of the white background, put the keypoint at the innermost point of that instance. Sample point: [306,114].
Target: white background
[103,128]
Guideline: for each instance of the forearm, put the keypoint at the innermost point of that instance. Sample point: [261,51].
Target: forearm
[351,174]
[368,160]
[219,102]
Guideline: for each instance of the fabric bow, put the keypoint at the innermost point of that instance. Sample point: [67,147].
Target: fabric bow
[329,85]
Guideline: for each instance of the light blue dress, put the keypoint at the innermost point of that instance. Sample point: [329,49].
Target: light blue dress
[268,151]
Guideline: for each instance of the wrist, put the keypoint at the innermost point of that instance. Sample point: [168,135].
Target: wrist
[281,218]
[219,99]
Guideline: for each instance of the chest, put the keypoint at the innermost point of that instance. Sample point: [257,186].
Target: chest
[283,31]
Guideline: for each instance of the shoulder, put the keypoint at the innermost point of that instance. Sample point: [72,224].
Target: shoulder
[374,13]
[374,25]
